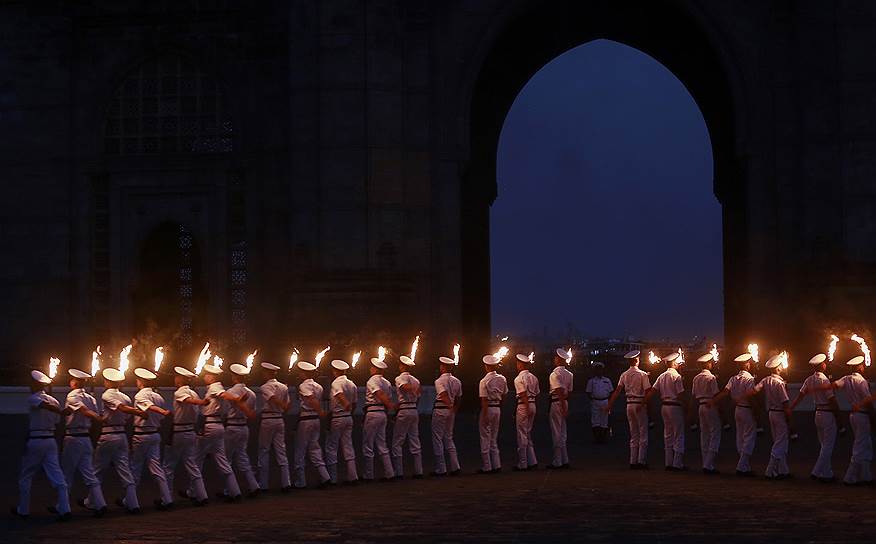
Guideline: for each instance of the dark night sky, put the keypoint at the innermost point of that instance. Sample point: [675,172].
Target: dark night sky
[606,218]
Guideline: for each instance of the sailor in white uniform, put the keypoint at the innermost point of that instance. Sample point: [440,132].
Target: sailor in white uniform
[212,441]
[378,400]
[857,392]
[704,388]
[237,420]
[670,386]
[599,388]
[492,389]
[272,428]
[78,454]
[561,382]
[448,397]
[407,419]
[634,383]
[112,446]
[526,387]
[307,442]
[344,396]
[146,444]
[41,451]
[777,403]
[183,442]
[818,385]
[738,388]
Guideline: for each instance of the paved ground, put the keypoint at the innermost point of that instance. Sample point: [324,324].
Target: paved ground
[599,500]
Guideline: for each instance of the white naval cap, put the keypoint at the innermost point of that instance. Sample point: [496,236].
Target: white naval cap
[773,362]
[490,360]
[407,361]
[305,366]
[671,357]
[339,364]
[446,360]
[564,355]
[211,369]
[706,357]
[240,370]
[144,374]
[76,373]
[185,372]
[269,366]
[39,377]
[524,358]
[597,363]
[632,354]
[113,374]
[378,363]
[818,359]
[742,358]
[855,361]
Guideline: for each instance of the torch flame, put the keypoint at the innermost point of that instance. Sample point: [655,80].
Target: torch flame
[569,351]
[531,356]
[680,359]
[203,357]
[159,357]
[381,353]
[217,361]
[321,354]
[864,349]
[95,361]
[652,358]
[414,347]
[293,358]
[753,350]
[356,357]
[250,358]
[831,349]
[504,338]
[456,354]
[123,358]
[783,359]
[503,351]
[53,366]
[714,352]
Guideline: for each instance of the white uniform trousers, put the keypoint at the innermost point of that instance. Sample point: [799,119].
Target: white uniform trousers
[525,448]
[112,449]
[184,448]
[78,456]
[637,416]
[341,435]
[710,434]
[778,465]
[42,453]
[443,421]
[212,443]
[488,427]
[746,434]
[407,428]
[558,434]
[236,443]
[598,417]
[673,435]
[825,426]
[272,433]
[146,450]
[862,450]
[374,438]
[307,442]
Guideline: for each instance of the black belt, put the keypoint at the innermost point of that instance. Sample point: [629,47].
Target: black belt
[777,409]
[824,410]
[494,405]
[40,437]
[78,435]
[530,401]
[368,411]
[306,418]
[213,419]
[555,400]
[744,406]
[341,416]
[184,431]
[859,412]
[272,417]
[639,402]
[141,433]
[103,433]
[598,398]
[436,407]
[236,425]
[671,403]
[406,408]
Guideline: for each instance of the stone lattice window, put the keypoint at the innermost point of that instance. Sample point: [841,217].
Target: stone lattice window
[167,106]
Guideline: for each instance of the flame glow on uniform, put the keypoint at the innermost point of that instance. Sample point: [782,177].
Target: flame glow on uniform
[250,358]
[217,361]
[753,350]
[53,366]
[95,361]
[321,354]
[293,358]
[123,358]
[831,349]
[356,357]
[456,354]
[503,351]
[159,357]
[864,349]
[714,352]
[203,357]
[652,358]
[414,347]
[783,359]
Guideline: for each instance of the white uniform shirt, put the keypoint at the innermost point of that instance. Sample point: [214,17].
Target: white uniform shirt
[526,382]
[599,388]
[273,388]
[634,381]
[775,391]
[669,385]
[145,398]
[42,422]
[412,395]
[184,413]
[77,399]
[739,385]
[493,387]
[235,414]
[820,396]
[450,384]
[855,387]
[115,420]
[309,388]
[342,384]
[374,384]
[704,386]
[560,378]
[215,406]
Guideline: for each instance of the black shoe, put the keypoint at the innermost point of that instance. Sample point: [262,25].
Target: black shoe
[456,472]
[81,503]
[366,480]
[133,511]
[669,468]
[745,473]
[254,494]
[66,516]
[710,471]
[418,476]
[14,511]
[551,467]
[202,502]
[496,470]
[482,471]
[643,466]
[100,512]
[351,482]
[515,468]
[286,489]
[566,466]
[813,477]
[434,474]
[399,477]
[325,484]
[120,503]
[220,495]
[830,480]
[161,506]
[236,498]
[51,510]
[532,467]
[388,479]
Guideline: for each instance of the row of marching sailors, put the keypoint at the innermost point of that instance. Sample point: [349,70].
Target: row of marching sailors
[741,388]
